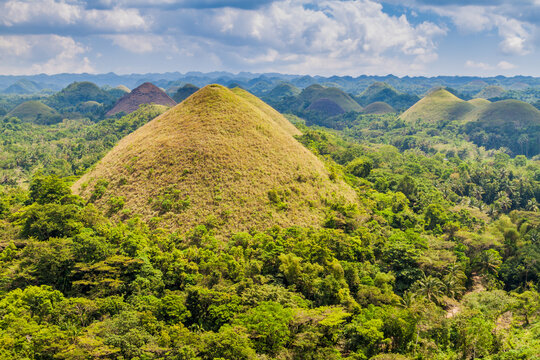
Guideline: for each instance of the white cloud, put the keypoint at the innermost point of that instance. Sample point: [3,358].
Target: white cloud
[138,44]
[33,54]
[57,14]
[516,35]
[287,35]
[505,65]
[478,65]
[502,65]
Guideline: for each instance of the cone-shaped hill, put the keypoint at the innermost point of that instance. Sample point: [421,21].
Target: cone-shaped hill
[146,93]
[222,156]
[378,108]
[36,112]
[490,92]
[184,92]
[438,106]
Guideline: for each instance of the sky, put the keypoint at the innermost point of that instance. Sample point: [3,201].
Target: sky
[325,37]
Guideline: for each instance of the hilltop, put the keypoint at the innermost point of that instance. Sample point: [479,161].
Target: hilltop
[221,157]
[35,112]
[282,90]
[378,108]
[316,92]
[382,92]
[507,123]
[146,93]
[23,86]
[490,92]
[439,106]
[77,93]
[184,92]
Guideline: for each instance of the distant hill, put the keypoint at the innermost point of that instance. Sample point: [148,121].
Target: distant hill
[223,158]
[508,123]
[80,92]
[184,92]
[439,106]
[490,92]
[23,87]
[282,90]
[378,108]
[146,93]
[317,92]
[35,112]
[382,92]
[479,102]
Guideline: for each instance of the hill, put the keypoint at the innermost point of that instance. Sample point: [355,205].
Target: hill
[146,93]
[490,92]
[382,92]
[439,106]
[80,92]
[184,92]
[35,112]
[317,92]
[22,87]
[282,90]
[378,108]
[221,157]
[479,102]
[508,123]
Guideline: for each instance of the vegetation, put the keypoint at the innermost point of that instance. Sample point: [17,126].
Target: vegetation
[378,239]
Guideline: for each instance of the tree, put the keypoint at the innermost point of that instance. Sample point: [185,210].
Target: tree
[430,287]
[268,326]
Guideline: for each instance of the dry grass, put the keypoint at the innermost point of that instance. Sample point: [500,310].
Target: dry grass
[231,154]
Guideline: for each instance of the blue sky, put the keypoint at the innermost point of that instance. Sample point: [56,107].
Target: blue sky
[328,37]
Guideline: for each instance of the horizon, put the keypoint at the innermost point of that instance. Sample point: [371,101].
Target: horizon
[318,38]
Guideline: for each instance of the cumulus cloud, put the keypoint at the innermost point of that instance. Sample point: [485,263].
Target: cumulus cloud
[50,54]
[288,33]
[56,15]
[140,44]
[516,21]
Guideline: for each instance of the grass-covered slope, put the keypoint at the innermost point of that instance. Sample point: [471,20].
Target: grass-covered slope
[439,106]
[184,92]
[317,92]
[490,92]
[282,90]
[382,92]
[79,92]
[508,123]
[378,108]
[221,157]
[146,93]
[35,112]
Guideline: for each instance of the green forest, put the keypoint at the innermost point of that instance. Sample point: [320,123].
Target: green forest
[438,258]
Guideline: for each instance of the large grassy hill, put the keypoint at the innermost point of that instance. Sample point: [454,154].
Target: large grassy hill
[438,107]
[222,157]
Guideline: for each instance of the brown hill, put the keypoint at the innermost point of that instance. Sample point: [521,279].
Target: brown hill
[221,157]
[146,93]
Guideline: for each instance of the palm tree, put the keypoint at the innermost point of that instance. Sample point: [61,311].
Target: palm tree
[488,262]
[430,287]
[532,205]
